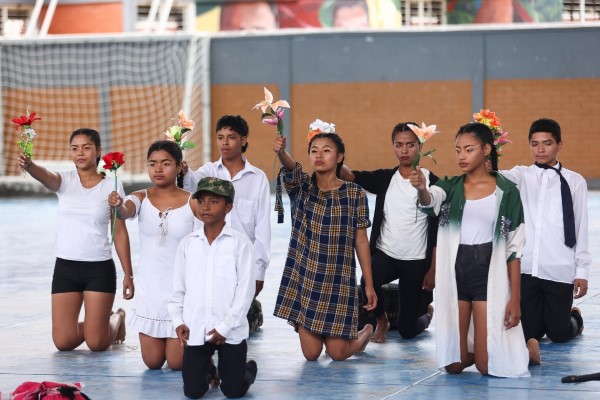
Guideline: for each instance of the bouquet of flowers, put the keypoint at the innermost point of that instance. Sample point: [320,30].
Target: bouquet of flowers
[112,162]
[177,133]
[423,133]
[490,119]
[272,113]
[24,122]
[317,127]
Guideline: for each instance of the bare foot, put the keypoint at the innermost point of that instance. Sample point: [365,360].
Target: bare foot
[121,332]
[364,335]
[382,328]
[535,358]
[215,379]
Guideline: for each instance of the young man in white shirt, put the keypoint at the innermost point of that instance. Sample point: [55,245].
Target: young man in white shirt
[213,286]
[251,211]
[556,259]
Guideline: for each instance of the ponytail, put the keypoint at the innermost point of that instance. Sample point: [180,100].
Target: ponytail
[494,158]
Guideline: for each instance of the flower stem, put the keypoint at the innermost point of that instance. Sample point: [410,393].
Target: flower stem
[112,235]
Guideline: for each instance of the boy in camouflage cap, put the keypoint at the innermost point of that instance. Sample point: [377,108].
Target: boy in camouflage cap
[217,186]
[214,266]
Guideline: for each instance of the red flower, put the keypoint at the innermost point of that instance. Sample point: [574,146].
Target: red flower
[25,120]
[114,160]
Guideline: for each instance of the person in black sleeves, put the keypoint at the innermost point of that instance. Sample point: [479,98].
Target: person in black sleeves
[402,238]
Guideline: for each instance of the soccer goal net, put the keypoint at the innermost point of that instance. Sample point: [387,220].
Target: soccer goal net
[130,89]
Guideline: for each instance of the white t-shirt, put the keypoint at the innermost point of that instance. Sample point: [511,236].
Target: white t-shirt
[404,228]
[82,232]
[477,225]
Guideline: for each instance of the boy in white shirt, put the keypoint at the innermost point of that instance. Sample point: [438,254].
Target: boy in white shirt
[556,259]
[213,286]
[251,214]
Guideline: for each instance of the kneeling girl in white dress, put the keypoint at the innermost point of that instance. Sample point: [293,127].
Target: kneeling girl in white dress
[165,216]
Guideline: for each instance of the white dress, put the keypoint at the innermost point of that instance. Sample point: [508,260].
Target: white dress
[160,234]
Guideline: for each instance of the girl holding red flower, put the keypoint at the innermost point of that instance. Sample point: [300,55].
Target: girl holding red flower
[165,215]
[85,273]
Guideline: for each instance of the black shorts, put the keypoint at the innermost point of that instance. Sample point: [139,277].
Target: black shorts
[84,276]
[472,269]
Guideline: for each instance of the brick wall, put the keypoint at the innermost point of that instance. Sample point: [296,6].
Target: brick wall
[365,114]
[574,103]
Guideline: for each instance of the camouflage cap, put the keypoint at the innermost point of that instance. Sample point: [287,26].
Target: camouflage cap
[215,185]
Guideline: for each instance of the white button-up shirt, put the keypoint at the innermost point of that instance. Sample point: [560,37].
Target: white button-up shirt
[251,206]
[545,255]
[213,286]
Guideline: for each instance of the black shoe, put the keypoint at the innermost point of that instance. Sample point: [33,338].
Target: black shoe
[576,313]
[251,371]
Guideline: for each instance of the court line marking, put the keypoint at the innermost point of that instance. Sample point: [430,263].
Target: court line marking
[411,385]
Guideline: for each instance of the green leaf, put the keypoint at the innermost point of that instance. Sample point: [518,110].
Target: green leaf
[187,145]
[266,115]
[428,153]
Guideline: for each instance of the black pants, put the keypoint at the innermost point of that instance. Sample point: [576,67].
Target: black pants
[546,309]
[413,300]
[236,378]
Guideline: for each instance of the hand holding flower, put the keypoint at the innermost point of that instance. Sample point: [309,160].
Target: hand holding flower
[112,162]
[24,123]
[423,133]
[279,144]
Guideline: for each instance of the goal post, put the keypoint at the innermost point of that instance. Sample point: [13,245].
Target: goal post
[129,88]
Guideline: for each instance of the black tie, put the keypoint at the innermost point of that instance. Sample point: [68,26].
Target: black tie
[567,206]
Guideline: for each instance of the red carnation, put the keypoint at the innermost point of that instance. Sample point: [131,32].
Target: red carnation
[25,120]
[114,160]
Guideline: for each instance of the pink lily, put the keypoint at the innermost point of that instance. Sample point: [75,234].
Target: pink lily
[503,139]
[424,132]
[268,102]
[275,119]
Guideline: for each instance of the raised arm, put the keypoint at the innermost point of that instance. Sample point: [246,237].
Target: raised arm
[49,179]
[285,158]
[347,174]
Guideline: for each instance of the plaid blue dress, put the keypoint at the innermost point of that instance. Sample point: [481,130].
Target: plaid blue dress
[318,288]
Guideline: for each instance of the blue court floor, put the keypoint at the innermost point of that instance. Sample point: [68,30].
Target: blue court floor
[394,370]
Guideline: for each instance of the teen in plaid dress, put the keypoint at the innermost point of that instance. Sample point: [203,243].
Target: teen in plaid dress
[318,291]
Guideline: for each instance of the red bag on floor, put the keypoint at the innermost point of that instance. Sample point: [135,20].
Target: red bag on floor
[48,391]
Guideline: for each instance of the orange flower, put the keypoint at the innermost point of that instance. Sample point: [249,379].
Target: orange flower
[488,118]
[185,123]
[423,133]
